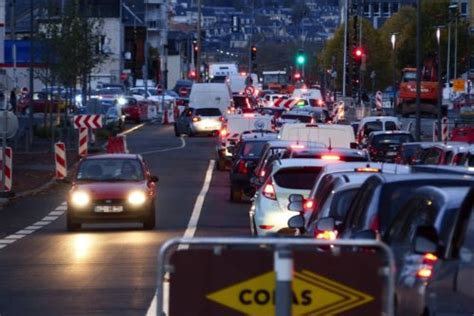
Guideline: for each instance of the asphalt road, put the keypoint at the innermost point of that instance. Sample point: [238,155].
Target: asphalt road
[110,269]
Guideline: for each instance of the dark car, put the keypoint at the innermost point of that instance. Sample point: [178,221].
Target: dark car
[450,290]
[428,206]
[245,159]
[383,146]
[412,153]
[381,197]
[244,104]
[340,154]
[43,102]
[112,188]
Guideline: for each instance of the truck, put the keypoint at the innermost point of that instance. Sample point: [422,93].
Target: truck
[220,72]
[429,92]
[277,81]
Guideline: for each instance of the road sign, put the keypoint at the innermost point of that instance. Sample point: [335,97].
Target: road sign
[93,121]
[459,85]
[242,280]
[250,90]
[8,123]
[183,91]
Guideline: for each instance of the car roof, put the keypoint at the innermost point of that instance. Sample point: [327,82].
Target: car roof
[351,166]
[390,133]
[394,178]
[286,163]
[288,143]
[256,136]
[335,151]
[443,169]
[379,118]
[114,156]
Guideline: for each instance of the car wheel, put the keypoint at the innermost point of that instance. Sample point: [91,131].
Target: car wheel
[235,194]
[176,132]
[149,223]
[71,225]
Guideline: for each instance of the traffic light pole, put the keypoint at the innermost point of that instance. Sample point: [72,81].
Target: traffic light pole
[199,46]
[344,67]
[418,71]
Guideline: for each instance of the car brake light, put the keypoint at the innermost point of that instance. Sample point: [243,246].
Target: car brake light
[367,169]
[222,119]
[297,146]
[308,205]
[223,132]
[196,119]
[326,235]
[265,226]
[269,190]
[330,157]
[320,102]
[430,258]
[374,223]
[242,168]
[249,115]
[262,173]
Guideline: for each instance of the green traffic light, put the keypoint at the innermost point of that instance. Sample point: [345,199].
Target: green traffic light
[300,59]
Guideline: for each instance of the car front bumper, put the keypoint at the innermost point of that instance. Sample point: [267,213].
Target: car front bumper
[129,214]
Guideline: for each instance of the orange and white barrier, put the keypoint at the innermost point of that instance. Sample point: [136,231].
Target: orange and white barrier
[338,112]
[83,138]
[168,117]
[60,158]
[378,100]
[8,168]
[117,145]
[444,130]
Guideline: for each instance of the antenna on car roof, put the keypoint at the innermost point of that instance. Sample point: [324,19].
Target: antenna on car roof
[330,144]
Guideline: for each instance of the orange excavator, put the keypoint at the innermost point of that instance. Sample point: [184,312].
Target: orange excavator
[429,95]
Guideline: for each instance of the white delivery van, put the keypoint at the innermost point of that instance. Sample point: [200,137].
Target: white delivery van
[210,95]
[313,96]
[371,124]
[333,135]
[234,126]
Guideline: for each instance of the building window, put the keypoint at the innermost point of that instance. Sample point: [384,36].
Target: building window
[464,9]
[376,9]
[385,9]
[395,7]
[152,24]
[366,10]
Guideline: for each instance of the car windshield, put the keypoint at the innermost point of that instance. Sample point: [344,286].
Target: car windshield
[300,178]
[252,149]
[391,139]
[300,118]
[152,92]
[110,91]
[242,102]
[112,169]
[208,112]
[372,127]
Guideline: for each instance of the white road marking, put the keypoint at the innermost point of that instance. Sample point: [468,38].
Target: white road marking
[61,208]
[42,223]
[34,227]
[183,144]
[57,213]
[25,231]
[7,241]
[15,236]
[189,233]
[132,129]
[2,246]
[50,218]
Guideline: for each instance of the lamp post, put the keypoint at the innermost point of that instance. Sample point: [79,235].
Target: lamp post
[418,71]
[393,40]
[440,83]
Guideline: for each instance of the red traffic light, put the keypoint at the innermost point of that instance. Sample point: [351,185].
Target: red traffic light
[358,52]
[192,74]
[254,49]
[297,76]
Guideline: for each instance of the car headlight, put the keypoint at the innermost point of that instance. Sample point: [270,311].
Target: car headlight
[80,198]
[121,101]
[136,198]
[78,98]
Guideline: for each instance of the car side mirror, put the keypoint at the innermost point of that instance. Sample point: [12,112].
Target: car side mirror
[154,179]
[354,145]
[426,240]
[296,203]
[326,224]
[366,234]
[296,222]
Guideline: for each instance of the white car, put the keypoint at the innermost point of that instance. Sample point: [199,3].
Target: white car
[269,214]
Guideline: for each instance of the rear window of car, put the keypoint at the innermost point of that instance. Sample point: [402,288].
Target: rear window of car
[301,178]
[300,118]
[242,102]
[252,149]
[390,126]
[391,139]
[370,127]
[208,112]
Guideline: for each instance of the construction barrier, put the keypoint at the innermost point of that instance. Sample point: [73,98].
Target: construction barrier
[444,130]
[378,100]
[338,112]
[60,158]
[168,117]
[83,133]
[117,145]
[8,168]
[152,112]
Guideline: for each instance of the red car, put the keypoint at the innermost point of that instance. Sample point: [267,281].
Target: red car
[112,188]
[135,110]
[42,102]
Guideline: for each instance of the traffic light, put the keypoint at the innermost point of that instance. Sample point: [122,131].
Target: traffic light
[358,54]
[192,74]
[297,76]
[253,53]
[300,58]
[195,51]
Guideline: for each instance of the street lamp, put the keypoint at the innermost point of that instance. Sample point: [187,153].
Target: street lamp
[393,40]
[452,7]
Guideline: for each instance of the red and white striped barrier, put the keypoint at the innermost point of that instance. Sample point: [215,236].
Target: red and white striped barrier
[88,121]
[83,141]
[291,103]
[8,168]
[60,158]
[444,130]
[168,117]
[378,100]
[338,112]
[278,102]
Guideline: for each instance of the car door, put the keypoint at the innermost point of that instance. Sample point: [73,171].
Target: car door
[451,291]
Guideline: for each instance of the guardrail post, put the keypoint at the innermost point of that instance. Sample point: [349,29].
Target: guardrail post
[283,267]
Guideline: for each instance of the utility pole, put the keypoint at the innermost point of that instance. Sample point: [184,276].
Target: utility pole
[145,66]
[344,66]
[199,44]
[418,71]
[440,84]
[13,38]
[448,58]
[456,42]
[30,105]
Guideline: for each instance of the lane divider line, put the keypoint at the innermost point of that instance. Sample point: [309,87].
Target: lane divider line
[132,129]
[188,233]
[6,241]
[183,144]
[25,231]
[50,218]
[15,236]
[57,213]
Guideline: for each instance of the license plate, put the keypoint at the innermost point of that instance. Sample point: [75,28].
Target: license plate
[108,209]
[391,153]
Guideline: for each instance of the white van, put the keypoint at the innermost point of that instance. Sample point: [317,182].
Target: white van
[233,128]
[237,82]
[371,124]
[210,95]
[313,96]
[333,135]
